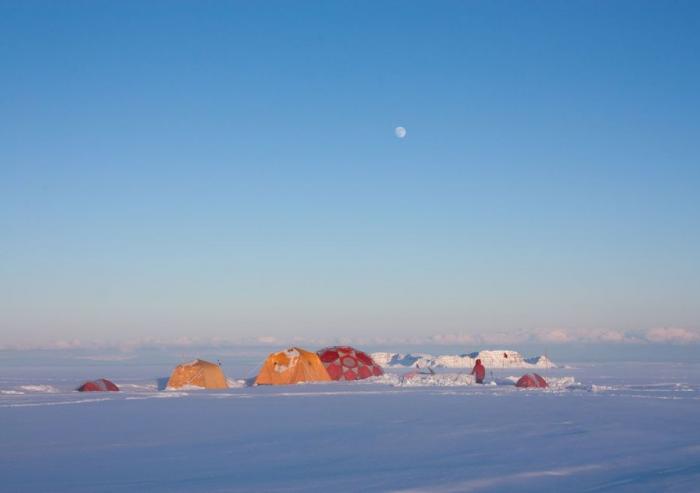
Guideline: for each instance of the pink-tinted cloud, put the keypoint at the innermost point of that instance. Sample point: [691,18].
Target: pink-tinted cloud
[468,339]
[672,335]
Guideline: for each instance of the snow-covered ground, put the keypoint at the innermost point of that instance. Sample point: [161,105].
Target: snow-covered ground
[603,427]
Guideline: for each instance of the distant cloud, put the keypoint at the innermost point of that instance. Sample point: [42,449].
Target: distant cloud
[448,339]
[471,339]
[549,336]
[556,336]
[567,336]
[50,345]
[672,335]
[268,340]
[612,336]
[106,357]
[562,336]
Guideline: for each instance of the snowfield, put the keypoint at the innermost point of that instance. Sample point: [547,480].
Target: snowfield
[606,427]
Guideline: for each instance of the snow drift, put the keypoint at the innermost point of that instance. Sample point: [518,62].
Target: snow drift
[490,359]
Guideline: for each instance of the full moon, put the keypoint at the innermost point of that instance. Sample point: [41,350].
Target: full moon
[400,132]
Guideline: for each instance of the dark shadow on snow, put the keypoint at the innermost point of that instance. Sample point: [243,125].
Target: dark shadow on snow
[162,383]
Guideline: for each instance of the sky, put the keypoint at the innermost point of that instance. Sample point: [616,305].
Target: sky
[230,170]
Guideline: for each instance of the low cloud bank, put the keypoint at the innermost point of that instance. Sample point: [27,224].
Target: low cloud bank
[675,335]
[664,335]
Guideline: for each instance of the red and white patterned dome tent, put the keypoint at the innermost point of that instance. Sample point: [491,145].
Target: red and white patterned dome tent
[348,363]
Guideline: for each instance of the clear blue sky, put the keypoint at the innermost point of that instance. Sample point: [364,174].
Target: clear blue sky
[229,169]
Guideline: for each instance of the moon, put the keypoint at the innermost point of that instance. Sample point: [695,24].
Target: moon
[400,132]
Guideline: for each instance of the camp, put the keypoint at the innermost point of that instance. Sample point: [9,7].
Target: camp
[198,373]
[532,380]
[294,365]
[101,385]
[348,363]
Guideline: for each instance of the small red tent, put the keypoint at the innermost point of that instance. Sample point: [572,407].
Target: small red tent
[348,363]
[101,385]
[532,380]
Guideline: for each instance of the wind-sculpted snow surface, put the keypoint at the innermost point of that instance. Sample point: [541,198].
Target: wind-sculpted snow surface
[416,379]
[596,428]
[50,389]
[490,359]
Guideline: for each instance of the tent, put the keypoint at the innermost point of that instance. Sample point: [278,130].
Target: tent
[294,365]
[348,363]
[101,385]
[198,373]
[532,380]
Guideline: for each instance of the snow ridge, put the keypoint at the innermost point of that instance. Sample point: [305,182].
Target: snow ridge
[490,359]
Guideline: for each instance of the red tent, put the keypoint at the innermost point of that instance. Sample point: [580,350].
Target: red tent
[532,380]
[101,385]
[348,363]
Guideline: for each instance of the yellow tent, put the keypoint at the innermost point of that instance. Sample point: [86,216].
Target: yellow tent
[292,366]
[198,373]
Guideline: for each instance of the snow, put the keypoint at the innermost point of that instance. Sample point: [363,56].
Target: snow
[599,427]
[491,359]
[39,388]
[184,387]
[293,357]
[190,363]
[437,380]
[237,383]
[136,387]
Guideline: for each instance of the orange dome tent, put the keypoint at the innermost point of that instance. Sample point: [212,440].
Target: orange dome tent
[198,373]
[292,366]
